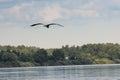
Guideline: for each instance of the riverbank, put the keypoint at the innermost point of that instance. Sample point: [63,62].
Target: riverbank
[23,56]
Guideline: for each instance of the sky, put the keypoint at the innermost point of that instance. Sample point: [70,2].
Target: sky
[85,21]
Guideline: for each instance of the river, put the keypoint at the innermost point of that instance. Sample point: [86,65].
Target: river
[74,72]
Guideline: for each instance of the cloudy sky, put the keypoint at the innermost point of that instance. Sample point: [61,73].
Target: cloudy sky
[85,21]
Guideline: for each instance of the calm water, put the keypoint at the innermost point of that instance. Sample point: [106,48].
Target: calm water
[80,72]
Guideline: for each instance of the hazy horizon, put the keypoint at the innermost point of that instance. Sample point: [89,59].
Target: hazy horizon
[85,21]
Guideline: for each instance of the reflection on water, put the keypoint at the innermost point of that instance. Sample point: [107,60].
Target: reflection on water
[76,72]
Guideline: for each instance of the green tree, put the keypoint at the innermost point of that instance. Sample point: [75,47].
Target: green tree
[58,54]
[85,58]
[26,57]
[40,56]
[6,56]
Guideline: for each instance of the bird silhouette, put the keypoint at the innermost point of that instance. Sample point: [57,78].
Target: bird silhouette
[46,25]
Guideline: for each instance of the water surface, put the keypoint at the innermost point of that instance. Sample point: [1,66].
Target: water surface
[74,72]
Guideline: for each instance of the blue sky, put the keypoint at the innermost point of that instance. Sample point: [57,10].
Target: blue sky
[85,21]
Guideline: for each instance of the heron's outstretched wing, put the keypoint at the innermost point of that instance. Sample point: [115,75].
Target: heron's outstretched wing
[36,24]
[55,24]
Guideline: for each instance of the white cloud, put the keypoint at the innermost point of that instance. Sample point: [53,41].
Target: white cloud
[18,8]
[7,24]
[89,5]
[5,0]
[34,12]
[29,11]
[88,13]
[21,11]
[116,12]
[1,17]
[86,10]
[55,12]
[51,13]
[89,9]
[116,1]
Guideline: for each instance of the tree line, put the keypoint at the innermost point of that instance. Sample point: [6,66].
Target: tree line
[24,56]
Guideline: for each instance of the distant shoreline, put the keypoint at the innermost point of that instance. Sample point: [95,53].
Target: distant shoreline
[92,65]
[89,54]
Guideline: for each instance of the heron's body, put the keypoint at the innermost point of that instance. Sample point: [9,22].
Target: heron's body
[46,25]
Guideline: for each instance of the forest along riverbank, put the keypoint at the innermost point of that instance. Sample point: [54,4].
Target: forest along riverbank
[24,56]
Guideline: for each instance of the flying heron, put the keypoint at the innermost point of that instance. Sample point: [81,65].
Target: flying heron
[46,25]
